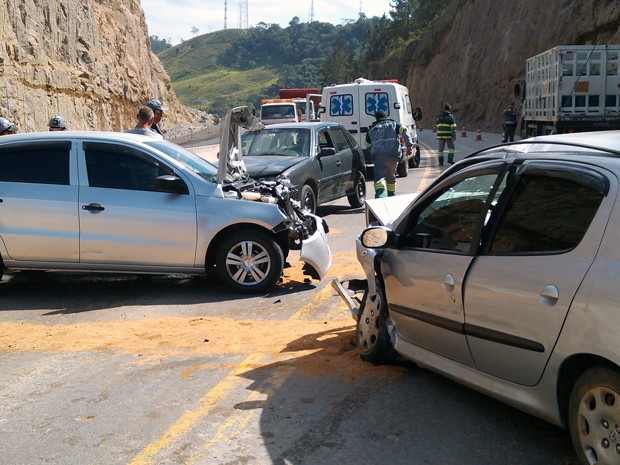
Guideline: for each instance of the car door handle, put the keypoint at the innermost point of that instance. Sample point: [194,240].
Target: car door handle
[338,163]
[448,282]
[549,295]
[93,207]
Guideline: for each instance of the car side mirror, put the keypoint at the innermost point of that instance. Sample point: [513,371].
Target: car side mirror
[377,237]
[327,151]
[170,183]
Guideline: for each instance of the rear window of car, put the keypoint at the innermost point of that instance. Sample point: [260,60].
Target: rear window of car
[38,163]
[546,215]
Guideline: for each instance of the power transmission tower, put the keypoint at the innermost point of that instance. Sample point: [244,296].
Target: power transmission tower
[225,13]
[311,15]
[243,14]
[361,12]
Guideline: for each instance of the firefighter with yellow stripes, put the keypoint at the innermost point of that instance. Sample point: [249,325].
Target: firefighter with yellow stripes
[446,134]
[384,141]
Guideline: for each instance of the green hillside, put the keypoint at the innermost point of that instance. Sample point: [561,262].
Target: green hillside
[216,71]
[222,69]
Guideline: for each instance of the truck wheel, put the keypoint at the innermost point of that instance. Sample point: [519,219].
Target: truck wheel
[414,161]
[358,197]
[402,170]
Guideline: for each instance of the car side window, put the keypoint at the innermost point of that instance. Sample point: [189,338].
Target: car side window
[340,141]
[39,163]
[546,214]
[324,140]
[114,166]
[453,220]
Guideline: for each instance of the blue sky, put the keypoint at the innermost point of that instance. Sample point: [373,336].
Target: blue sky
[174,19]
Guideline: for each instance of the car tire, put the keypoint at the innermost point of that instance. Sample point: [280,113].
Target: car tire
[249,261]
[594,416]
[373,338]
[402,169]
[358,197]
[414,161]
[307,197]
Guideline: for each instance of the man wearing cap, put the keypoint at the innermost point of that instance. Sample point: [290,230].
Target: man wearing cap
[144,123]
[158,109]
[383,140]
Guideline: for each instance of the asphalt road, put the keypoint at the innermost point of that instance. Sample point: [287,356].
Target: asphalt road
[176,370]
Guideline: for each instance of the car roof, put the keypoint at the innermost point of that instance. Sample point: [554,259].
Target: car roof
[598,143]
[304,125]
[51,135]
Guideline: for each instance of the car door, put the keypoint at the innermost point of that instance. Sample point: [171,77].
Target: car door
[38,201]
[424,274]
[330,166]
[519,290]
[124,220]
[344,151]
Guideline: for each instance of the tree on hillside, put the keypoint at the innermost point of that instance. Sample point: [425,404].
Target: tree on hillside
[339,67]
[159,45]
[195,30]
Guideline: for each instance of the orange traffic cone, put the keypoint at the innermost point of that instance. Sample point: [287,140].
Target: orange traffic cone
[478,135]
[463,132]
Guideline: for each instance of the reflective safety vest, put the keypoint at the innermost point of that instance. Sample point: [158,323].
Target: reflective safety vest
[446,126]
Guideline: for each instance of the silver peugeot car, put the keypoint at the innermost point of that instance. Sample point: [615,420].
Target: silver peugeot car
[115,202]
[504,275]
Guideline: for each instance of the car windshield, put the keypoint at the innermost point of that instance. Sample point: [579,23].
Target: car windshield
[287,142]
[189,160]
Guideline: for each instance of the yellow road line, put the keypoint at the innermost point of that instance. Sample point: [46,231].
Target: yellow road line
[189,419]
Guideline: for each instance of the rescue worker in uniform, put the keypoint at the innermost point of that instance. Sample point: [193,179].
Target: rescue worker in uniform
[446,134]
[383,140]
[510,123]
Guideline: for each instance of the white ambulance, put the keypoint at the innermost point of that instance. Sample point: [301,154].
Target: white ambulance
[354,106]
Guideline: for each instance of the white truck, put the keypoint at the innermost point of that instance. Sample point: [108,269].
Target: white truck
[571,88]
[354,106]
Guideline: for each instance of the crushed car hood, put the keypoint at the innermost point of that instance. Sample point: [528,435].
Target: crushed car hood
[267,166]
[231,166]
[389,210]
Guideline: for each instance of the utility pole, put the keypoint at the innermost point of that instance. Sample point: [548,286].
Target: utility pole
[225,12]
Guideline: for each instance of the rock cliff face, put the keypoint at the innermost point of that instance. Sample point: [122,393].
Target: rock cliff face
[475,54]
[87,60]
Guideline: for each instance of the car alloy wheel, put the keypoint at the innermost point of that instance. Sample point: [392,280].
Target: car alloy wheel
[594,417]
[249,261]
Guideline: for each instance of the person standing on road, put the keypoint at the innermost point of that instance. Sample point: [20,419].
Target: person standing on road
[383,140]
[158,109]
[57,123]
[510,123]
[144,124]
[6,127]
[446,134]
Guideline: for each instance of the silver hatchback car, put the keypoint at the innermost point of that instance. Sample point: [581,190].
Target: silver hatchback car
[115,202]
[504,275]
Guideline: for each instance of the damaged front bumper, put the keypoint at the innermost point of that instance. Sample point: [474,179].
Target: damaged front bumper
[315,251]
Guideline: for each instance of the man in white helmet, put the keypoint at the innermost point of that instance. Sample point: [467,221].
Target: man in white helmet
[57,123]
[6,127]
